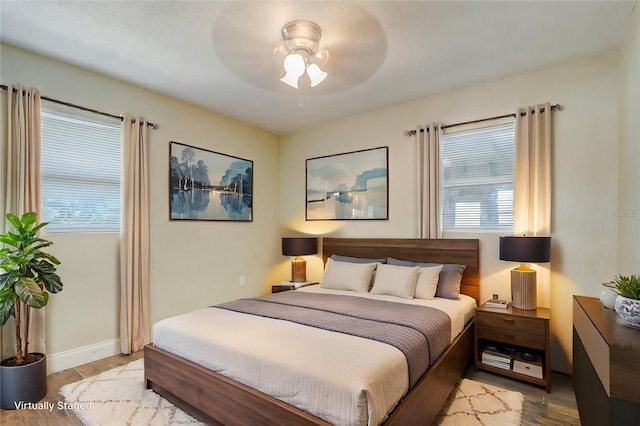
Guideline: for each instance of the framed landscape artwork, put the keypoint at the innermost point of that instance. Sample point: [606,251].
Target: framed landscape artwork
[207,185]
[349,186]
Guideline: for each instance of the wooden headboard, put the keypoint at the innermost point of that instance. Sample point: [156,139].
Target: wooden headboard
[456,251]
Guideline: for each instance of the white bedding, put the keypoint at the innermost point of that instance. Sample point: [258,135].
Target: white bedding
[343,379]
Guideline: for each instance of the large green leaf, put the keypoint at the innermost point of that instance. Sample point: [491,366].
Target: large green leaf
[40,226]
[7,280]
[37,244]
[12,263]
[30,294]
[15,220]
[7,304]
[28,219]
[10,238]
[51,258]
[47,274]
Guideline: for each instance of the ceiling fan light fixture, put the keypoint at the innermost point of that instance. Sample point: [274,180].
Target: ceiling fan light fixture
[301,34]
[301,44]
[294,66]
[316,75]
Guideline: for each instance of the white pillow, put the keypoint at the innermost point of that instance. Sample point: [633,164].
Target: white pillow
[395,280]
[347,276]
[427,282]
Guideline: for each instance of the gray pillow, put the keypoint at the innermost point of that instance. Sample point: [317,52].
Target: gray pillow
[339,258]
[449,281]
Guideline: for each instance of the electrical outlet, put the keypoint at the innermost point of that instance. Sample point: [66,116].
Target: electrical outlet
[241,282]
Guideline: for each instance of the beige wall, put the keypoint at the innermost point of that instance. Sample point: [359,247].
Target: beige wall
[193,264]
[584,177]
[628,207]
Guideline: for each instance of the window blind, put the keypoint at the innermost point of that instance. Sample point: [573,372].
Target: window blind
[477,176]
[81,171]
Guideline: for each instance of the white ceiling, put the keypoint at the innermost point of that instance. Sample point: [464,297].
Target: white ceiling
[219,54]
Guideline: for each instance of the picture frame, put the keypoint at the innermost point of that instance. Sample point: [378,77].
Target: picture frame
[349,186]
[208,185]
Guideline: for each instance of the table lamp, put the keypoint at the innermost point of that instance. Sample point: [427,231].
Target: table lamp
[523,278]
[299,247]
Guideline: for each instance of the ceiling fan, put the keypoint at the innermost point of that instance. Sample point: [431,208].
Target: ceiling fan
[300,51]
[253,39]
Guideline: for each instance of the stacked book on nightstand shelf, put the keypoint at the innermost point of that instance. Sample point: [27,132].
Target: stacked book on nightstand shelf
[497,303]
[498,357]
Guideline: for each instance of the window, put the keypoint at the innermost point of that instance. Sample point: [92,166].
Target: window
[81,169]
[477,176]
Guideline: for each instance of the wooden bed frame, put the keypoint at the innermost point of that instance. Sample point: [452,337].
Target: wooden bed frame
[217,400]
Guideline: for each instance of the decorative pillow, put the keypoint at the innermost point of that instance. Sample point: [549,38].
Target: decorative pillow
[427,283]
[347,276]
[449,281]
[339,258]
[394,280]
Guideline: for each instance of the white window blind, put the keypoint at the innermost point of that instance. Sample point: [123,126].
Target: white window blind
[477,176]
[81,171]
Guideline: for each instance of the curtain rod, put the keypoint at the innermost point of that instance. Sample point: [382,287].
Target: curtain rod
[149,124]
[413,132]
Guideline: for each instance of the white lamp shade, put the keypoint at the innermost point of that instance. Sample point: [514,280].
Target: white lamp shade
[316,75]
[291,80]
[294,67]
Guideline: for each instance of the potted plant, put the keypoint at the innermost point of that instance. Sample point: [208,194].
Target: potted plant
[28,275]
[628,300]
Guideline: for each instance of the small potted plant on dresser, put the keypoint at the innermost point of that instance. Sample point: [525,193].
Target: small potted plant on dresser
[27,276]
[628,300]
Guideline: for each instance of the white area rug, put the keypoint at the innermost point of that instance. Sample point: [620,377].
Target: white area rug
[475,403]
[119,397]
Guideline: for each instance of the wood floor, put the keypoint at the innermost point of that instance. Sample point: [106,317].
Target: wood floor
[540,408]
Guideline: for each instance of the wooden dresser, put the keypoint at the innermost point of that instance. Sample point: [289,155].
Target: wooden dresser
[606,365]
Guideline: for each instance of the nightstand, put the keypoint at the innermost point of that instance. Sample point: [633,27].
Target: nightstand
[281,287]
[523,331]
[284,286]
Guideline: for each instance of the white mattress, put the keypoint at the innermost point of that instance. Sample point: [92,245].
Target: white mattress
[343,379]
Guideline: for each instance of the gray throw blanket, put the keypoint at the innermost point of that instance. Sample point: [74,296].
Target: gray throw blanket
[421,333]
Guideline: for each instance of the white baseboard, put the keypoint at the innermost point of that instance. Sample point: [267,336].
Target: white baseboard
[74,357]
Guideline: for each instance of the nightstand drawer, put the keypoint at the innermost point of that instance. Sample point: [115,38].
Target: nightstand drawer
[281,288]
[512,337]
[512,323]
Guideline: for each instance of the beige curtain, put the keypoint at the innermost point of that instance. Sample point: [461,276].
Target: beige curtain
[135,328]
[429,175]
[532,182]
[22,186]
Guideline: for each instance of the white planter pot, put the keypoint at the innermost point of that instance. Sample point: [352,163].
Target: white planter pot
[628,309]
[608,296]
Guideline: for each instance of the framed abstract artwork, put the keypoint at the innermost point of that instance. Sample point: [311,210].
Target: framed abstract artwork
[208,185]
[349,186]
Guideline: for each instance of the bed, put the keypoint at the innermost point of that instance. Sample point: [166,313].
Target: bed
[217,399]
